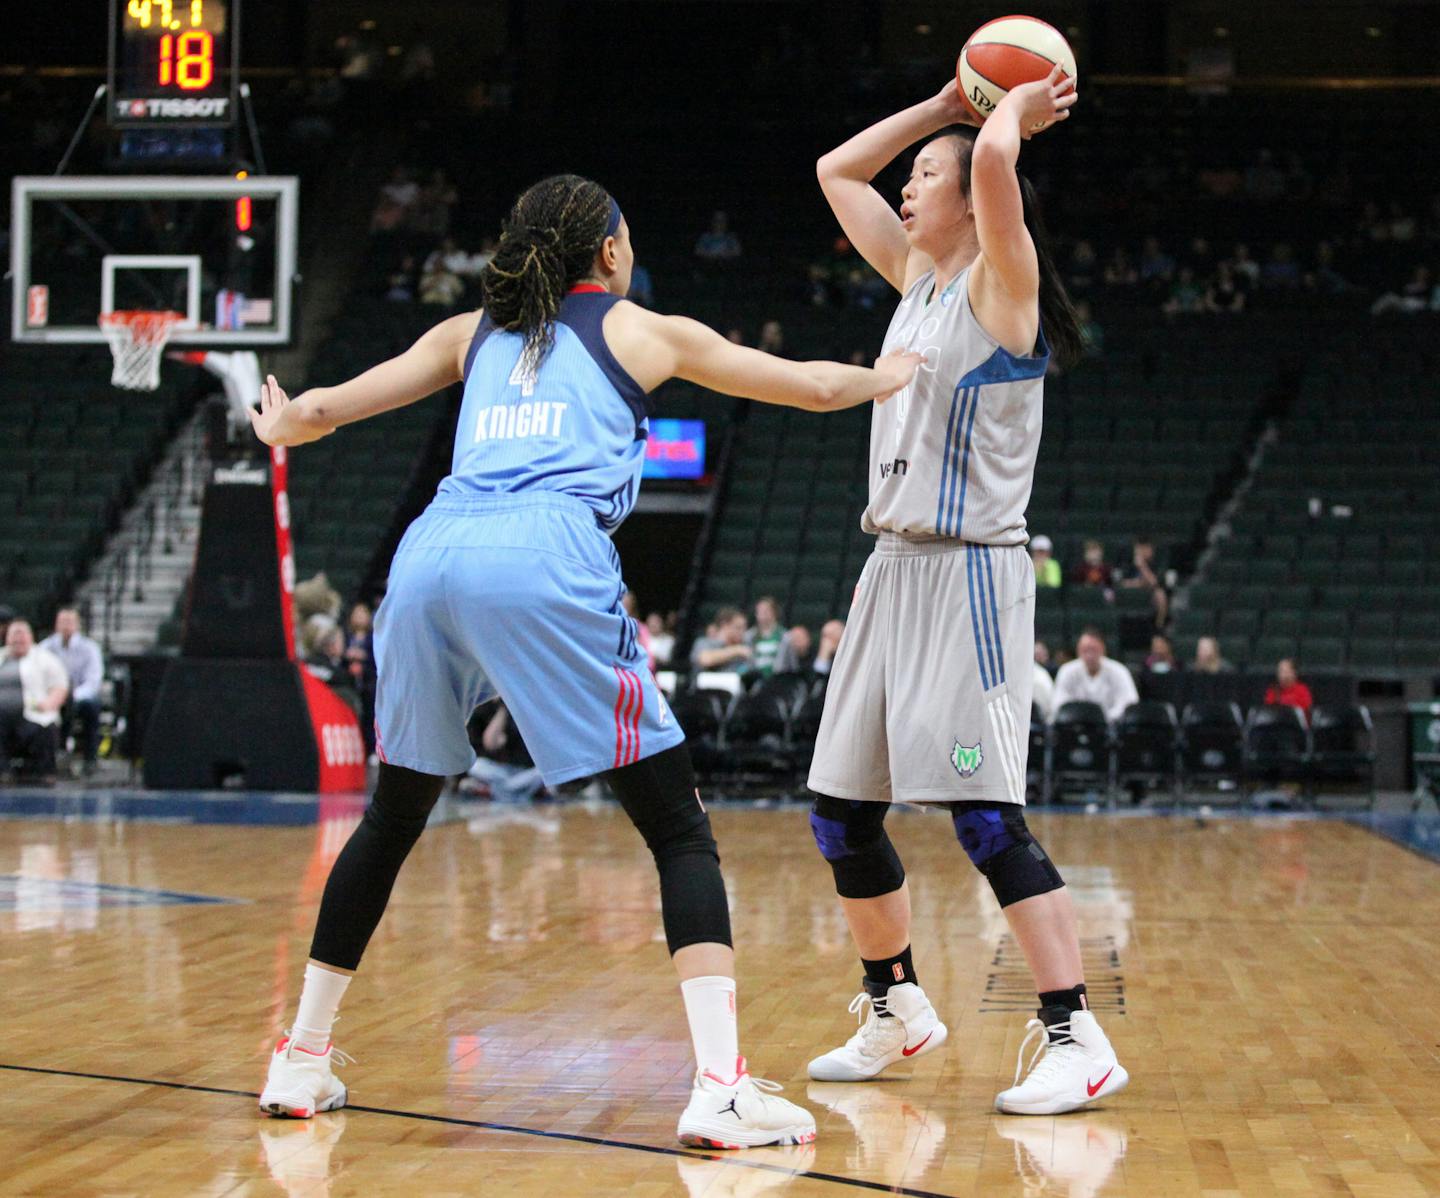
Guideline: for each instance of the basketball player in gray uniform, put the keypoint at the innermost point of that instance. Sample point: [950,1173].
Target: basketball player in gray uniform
[929,698]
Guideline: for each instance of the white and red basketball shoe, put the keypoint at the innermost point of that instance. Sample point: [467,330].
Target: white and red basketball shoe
[1079,1067]
[743,1112]
[302,1083]
[912,1029]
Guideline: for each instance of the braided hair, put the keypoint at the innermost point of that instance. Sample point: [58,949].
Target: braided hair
[547,244]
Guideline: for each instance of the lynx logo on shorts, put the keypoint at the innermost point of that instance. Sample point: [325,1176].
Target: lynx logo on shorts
[967,761]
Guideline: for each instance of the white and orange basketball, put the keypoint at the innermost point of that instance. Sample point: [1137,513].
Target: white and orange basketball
[1005,53]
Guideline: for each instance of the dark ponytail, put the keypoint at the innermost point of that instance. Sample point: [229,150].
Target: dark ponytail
[1057,313]
[547,245]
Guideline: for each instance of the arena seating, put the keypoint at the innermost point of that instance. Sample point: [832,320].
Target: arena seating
[75,453]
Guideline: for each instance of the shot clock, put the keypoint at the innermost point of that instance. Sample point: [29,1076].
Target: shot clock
[173,62]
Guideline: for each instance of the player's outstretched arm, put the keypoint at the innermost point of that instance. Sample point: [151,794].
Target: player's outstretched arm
[436,360]
[845,172]
[699,354]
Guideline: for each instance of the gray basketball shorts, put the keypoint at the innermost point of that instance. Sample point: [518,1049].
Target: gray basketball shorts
[929,696]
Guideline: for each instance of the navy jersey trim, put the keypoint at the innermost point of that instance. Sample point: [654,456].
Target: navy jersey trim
[1004,367]
[584,314]
[482,331]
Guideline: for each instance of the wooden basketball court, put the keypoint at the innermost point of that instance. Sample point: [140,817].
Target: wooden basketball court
[517,1029]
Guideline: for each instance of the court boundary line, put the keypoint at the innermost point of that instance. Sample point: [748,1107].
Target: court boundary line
[509,1128]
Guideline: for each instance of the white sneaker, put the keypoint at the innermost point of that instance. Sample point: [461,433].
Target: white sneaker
[742,1113]
[300,1083]
[1072,1074]
[912,1030]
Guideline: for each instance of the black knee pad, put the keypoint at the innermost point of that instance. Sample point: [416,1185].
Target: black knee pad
[402,801]
[1000,846]
[852,838]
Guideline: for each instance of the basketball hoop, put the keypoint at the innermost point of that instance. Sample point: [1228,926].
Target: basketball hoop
[137,339]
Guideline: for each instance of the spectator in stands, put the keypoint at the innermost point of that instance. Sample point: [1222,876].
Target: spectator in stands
[400,282]
[1414,296]
[1092,336]
[440,286]
[1208,659]
[719,244]
[1156,266]
[85,669]
[326,661]
[504,770]
[1288,690]
[1161,659]
[830,634]
[1200,257]
[1119,270]
[1224,293]
[797,652]
[662,640]
[1247,270]
[1092,570]
[1281,272]
[1042,694]
[1047,569]
[392,207]
[1186,295]
[723,647]
[1142,573]
[314,596]
[1042,657]
[451,257]
[765,636]
[1325,278]
[1095,678]
[430,213]
[33,689]
[360,663]
[772,339]
[642,630]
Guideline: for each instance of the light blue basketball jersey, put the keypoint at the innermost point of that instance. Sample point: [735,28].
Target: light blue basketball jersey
[577,426]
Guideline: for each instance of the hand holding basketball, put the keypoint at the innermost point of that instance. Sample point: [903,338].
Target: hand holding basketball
[955,109]
[1043,103]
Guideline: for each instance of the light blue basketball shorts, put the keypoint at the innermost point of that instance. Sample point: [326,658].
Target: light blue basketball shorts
[515,595]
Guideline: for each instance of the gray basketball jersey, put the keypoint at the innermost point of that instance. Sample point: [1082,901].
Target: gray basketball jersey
[953,454]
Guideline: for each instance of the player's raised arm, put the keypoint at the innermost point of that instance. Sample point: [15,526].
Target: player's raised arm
[1005,242]
[866,217]
[689,350]
[436,360]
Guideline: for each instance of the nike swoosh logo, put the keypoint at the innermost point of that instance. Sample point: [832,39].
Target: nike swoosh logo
[1093,1090]
[910,1052]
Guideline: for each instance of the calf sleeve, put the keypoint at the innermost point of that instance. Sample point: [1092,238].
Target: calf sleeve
[658,794]
[364,873]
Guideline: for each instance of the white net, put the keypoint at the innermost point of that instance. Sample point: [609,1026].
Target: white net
[137,339]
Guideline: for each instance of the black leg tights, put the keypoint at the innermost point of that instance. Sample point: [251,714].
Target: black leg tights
[364,873]
[659,796]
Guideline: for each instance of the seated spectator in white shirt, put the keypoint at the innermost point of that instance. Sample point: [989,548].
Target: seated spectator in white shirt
[1095,678]
[86,670]
[33,687]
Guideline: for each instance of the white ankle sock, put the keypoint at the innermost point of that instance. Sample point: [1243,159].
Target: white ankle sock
[319,1000]
[710,1008]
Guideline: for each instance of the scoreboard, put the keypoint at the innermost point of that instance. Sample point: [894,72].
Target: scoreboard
[173,62]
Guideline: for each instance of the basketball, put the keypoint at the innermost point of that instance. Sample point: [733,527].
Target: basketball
[1005,53]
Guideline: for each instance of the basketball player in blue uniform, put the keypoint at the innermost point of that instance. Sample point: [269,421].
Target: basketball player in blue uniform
[929,697]
[508,584]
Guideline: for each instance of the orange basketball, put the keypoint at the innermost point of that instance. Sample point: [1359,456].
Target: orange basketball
[1005,53]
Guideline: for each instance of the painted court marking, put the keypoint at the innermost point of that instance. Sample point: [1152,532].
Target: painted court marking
[512,1129]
